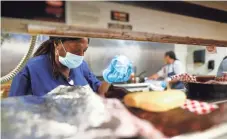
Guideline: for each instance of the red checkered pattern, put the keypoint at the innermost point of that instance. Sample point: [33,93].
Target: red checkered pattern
[222,79]
[184,78]
[192,79]
[199,107]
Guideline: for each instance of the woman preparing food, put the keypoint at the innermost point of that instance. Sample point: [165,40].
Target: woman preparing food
[173,67]
[58,61]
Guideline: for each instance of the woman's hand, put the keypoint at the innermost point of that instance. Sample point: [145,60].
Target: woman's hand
[103,88]
[153,77]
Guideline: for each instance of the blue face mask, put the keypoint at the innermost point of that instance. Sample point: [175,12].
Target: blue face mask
[71,60]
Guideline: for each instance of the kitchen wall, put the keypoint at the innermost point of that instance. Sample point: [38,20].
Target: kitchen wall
[146,56]
[181,53]
[185,54]
[13,49]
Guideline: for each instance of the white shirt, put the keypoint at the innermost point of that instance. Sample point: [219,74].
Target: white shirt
[175,67]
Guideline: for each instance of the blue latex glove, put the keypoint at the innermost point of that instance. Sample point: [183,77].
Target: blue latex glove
[164,84]
[119,70]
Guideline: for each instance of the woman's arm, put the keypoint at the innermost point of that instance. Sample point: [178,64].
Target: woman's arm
[103,88]
[155,76]
[100,87]
[20,84]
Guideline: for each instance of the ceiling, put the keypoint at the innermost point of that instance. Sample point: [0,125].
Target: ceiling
[220,5]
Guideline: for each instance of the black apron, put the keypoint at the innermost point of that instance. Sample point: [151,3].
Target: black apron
[177,85]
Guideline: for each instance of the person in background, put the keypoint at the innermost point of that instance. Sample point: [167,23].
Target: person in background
[173,67]
[58,61]
[222,67]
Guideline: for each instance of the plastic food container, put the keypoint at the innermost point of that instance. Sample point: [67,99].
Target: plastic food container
[199,91]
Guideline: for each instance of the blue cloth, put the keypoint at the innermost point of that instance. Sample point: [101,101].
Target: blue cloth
[36,78]
[119,70]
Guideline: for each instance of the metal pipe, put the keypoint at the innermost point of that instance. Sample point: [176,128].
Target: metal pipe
[21,64]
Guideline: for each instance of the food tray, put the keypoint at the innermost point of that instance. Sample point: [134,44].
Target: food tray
[209,90]
[200,91]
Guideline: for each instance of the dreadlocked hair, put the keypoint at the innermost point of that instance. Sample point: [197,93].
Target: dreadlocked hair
[48,48]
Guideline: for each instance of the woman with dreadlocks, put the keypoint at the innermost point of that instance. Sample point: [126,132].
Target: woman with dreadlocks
[58,61]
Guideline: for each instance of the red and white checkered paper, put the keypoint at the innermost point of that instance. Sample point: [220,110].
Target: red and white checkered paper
[199,107]
[222,79]
[184,78]
[192,79]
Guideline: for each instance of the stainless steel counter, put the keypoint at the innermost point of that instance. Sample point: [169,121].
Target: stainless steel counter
[135,87]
